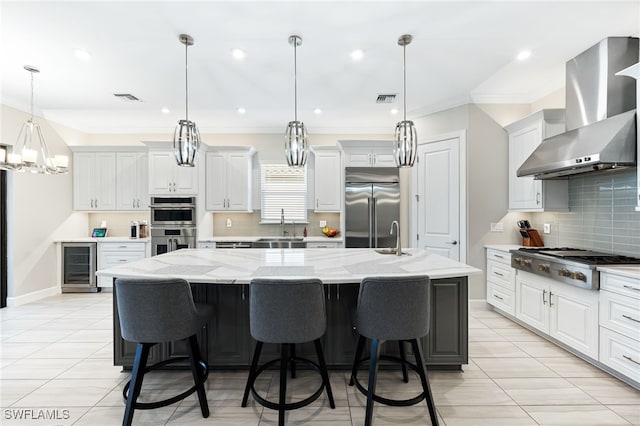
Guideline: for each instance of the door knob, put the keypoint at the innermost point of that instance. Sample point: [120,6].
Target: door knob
[454,242]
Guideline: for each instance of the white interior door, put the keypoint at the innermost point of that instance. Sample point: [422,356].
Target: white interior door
[437,205]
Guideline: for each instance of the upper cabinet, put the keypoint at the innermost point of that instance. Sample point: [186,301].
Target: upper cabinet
[526,193]
[132,179]
[93,176]
[327,179]
[229,179]
[368,153]
[167,178]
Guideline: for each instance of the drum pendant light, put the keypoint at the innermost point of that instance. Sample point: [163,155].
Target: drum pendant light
[296,139]
[186,138]
[405,141]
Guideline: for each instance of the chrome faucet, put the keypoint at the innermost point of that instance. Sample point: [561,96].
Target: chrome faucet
[398,243]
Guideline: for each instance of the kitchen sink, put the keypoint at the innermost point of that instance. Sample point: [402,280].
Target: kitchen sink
[390,250]
[279,242]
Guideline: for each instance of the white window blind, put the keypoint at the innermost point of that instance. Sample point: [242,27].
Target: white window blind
[283,187]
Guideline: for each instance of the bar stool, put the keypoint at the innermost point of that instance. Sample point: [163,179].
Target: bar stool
[392,308]
[287,312]
[160,310]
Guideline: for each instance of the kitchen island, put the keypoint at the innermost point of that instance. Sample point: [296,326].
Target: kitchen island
[221,277]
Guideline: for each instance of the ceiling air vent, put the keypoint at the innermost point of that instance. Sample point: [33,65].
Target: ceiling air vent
[386,99]
[126,97]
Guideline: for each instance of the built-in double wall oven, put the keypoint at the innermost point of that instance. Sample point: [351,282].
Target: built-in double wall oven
[173,224]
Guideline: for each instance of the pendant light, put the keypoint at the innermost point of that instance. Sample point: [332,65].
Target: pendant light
[405,141]
[30,152]
[186,138]
[296,139]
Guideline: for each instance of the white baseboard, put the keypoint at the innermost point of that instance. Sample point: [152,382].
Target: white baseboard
[478,304]
[33,296]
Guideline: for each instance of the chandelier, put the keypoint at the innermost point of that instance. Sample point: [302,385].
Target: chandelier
[296,139]
[405,141]
[186,138]
[30,152]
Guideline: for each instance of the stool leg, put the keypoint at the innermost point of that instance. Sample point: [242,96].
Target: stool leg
[324,373]
[252,372]
[292,347]
[359,349]
[425,382]
[373,375]
[403,361]
[137,374]
[194,359]
[284,357]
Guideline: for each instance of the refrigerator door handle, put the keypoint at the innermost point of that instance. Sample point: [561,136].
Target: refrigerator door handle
[375,222]
[370,217]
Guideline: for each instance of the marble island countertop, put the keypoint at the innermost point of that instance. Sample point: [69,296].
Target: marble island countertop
[332,266]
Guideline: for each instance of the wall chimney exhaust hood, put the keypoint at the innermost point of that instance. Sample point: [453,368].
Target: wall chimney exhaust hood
[600,115]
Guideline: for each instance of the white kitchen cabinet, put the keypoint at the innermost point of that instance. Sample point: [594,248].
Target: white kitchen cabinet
[368,153]
[132,177]
[94,176]
[167,178]
[113,254]
[526,193]
[328,190]
[500,281]
[318,244]
[229,175]
[566,313]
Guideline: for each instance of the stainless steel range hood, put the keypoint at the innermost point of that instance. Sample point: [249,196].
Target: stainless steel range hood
[600,115]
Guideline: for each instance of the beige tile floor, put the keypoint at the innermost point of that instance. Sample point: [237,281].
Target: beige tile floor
[56,359]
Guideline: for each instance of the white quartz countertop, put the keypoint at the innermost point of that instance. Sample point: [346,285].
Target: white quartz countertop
[246,239]
[332,266]
[103,240]
[625,271]
[503,247]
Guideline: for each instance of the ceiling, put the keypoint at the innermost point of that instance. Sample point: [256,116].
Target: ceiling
[461,52]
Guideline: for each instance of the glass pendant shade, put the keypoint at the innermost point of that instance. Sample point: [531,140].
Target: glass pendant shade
[405,144]
[296,144]
[186,143]
[186,138]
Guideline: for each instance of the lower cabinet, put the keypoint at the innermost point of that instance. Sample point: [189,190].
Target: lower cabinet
[226,341]
[114,254]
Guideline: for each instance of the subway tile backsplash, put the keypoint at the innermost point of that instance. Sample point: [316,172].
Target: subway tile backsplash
[602,215]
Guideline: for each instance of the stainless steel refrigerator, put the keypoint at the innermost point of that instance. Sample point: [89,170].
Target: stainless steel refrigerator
[372,202]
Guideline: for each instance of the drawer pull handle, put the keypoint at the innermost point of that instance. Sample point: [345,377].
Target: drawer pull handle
[631,359]
[122,260]
[498,256]
[498,273]
[497,297]
[630,318]
[122,246]
[630,287]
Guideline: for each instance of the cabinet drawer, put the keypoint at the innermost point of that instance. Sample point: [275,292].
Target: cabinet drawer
[120,247]
[501,298]
[501,274]
[499,256]
[621,285]
[620,313]
[322,245]
[112,259]
[620,353]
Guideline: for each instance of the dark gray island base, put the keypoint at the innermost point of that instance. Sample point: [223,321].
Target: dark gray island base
[227,344]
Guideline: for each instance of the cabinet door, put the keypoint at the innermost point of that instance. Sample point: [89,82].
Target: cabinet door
[532,301]
[160,172]
[142,181]
[238,181]
[228,336]
[104,181]
[327,185]
[216,182]
[383,157]
[127,180]
[341,301]
[358,158]
[185,179]
[574,317]
[83,167]
[524,192]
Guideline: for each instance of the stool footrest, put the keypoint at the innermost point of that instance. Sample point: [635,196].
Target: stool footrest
[174,399]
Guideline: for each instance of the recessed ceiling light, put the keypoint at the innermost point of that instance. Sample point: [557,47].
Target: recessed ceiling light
[317,111]
[238,53]
[241,110]
[394,111]
[357,54]
[524,55]
[82,54]
[165,110]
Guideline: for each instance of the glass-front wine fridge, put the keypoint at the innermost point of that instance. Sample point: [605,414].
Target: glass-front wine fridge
[79,268]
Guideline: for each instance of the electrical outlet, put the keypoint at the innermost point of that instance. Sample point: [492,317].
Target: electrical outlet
[497,227]
[546,228]
[229,222]
[323,223]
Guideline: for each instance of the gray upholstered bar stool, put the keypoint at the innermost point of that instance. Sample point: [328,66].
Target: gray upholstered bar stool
[392,308]
[287,312]
[160,310]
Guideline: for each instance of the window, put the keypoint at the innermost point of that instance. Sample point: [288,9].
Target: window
[283,187]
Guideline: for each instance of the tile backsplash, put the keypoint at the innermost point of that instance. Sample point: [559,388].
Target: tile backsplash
[602,215]
[248,224]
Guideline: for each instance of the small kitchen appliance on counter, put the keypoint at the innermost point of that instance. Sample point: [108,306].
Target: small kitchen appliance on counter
[568,265]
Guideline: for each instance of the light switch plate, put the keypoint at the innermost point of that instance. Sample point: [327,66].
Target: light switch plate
[546,228]
[229,222]
[323,223]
